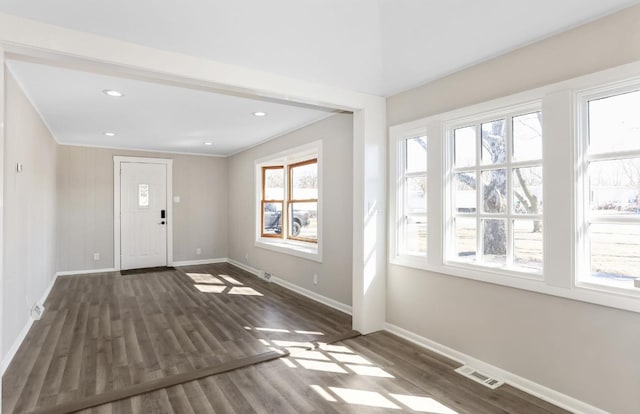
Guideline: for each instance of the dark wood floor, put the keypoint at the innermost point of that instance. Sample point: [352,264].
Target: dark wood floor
[105,332]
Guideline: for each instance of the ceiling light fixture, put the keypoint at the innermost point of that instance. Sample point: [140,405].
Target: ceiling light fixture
[259,113]
[113,93]
[110,134]
[208,143]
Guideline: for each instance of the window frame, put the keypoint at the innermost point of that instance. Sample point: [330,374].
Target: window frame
[581,276]
[397,148]
[264,201]
[299,247]
[476,121]
[290,200]
[562,191]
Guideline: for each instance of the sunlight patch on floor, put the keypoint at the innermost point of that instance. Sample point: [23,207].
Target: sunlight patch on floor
[244,291]
[211,288]
[369,371]
[321,366]
[231,280]
[205,278]
[361,397]
[323,393]
[423,404]
[349,358]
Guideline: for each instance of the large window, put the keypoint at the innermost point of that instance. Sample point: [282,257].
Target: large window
[289,202]
[611,189]
[495,191]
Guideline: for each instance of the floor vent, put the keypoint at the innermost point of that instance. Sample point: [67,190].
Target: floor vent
[485,380]
[265,275]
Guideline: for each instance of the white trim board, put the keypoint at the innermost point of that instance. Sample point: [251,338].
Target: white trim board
[532,388]
[11,353]
[199,262]
[84,272]
[297,289]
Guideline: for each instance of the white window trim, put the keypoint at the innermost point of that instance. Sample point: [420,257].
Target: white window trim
[582,157]
[309,251]
[557,281]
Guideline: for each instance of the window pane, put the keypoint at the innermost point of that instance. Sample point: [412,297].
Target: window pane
[274,184]
[615,187]
[272,219]
[416,153]
[143,195]
[494,142]
[465,146]
[614,254]
[465,192]
[527,243]
[415,234]
[494,241]
[304,182]
[416,194]
[303,220]
[614,124]
[527,190]
[465,241]
[527,137]
[494,191]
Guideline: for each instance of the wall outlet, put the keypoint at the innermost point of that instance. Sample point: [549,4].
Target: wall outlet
[96,257]
[198,251]
[315,279]
[37,311]
[246,256]
[176,199]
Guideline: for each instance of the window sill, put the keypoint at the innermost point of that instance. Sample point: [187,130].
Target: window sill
[303,250]
[628,300]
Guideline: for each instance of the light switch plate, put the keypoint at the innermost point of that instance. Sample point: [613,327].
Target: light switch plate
[176,199]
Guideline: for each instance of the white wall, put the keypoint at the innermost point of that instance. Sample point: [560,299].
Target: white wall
[586,351]
[85,206]
[334,273]
[29,212]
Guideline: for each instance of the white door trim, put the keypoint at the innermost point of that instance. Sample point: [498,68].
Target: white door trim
[117,160]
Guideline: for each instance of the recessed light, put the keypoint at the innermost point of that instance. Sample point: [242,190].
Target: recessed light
[208,143]
[113,93]
[110,134]
[259,113]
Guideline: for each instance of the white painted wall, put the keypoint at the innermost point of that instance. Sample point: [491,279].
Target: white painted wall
[29,212]
[334,273]
[586,351]
[85,206]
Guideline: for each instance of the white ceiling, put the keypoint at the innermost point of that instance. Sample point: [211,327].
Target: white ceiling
[151,116]
[374,46]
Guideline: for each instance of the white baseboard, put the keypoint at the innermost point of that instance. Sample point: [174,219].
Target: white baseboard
[84,272]
[537,390]
[11,353]
[199,262]
[244,267]
[295,288]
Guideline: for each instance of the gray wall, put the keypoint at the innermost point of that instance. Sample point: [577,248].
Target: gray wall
[85,206]
[29,212]
[587,351]
[334,273]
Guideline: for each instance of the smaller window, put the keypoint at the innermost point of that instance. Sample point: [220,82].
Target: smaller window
[289,210]
[143,195]
[413,208]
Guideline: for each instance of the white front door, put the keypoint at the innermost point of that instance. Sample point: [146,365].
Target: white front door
[143,215]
